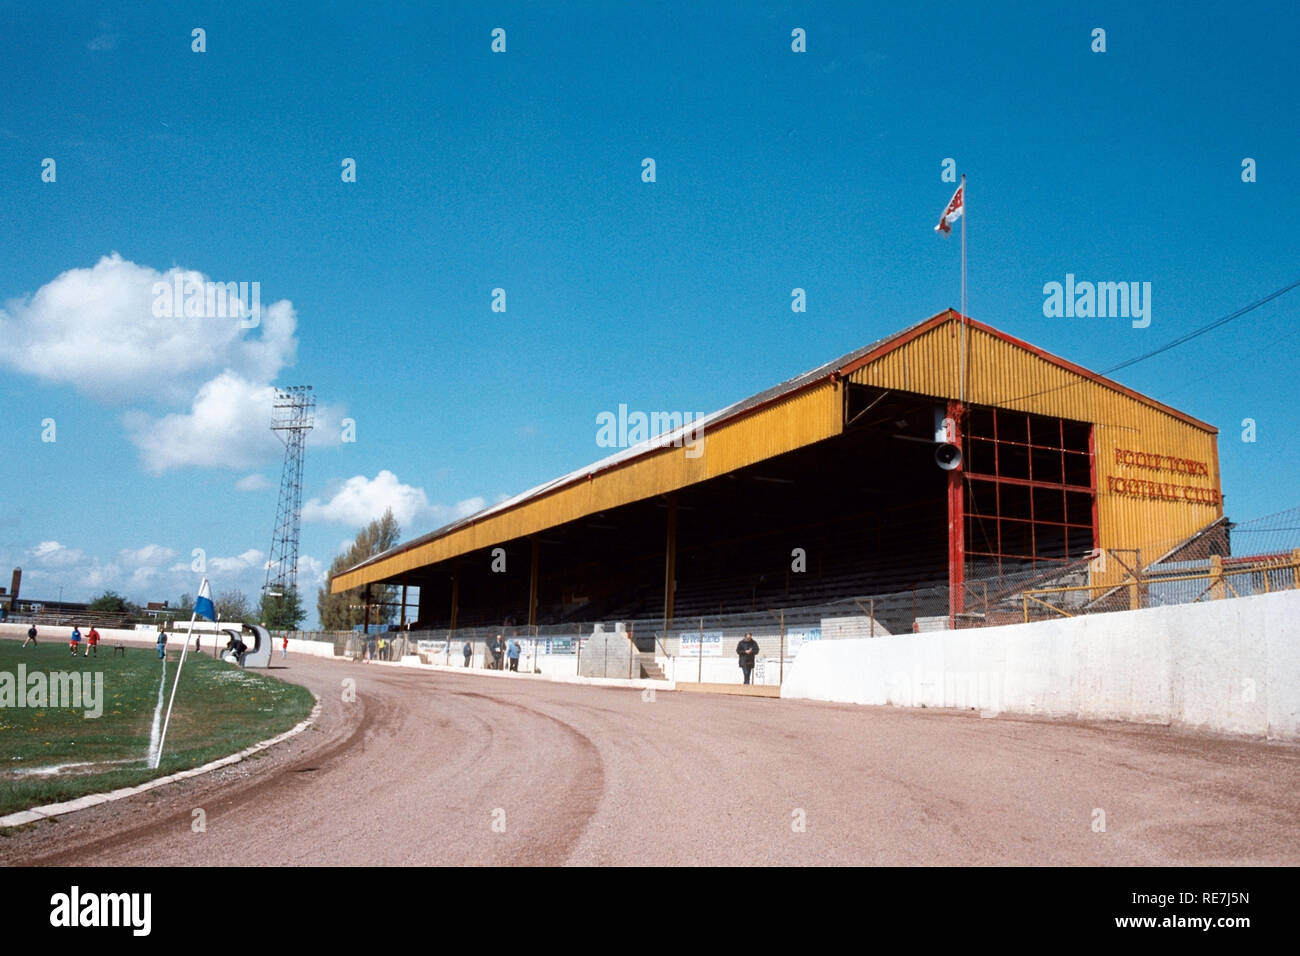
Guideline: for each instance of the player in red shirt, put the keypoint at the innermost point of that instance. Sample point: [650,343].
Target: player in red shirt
[92,641]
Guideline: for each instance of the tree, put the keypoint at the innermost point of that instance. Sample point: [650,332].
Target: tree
[110,602]
[281,611]
[341,612]
[233,606]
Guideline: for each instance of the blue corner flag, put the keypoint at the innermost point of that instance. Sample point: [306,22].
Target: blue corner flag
[203,603]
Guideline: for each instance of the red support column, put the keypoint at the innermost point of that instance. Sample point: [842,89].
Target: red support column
[956,522]
[1092,480]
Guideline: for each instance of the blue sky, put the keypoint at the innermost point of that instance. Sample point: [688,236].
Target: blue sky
[522,171]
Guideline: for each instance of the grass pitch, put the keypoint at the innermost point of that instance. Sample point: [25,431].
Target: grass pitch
[49,754]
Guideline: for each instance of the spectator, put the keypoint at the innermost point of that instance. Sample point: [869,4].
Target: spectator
[92,641]
[284,648]
[468,651]
[496,648]
[31,637]
[74,642]
[513,654]
[162,643]
[747,649]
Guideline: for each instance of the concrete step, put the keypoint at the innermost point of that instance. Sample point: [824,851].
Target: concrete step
[741,690]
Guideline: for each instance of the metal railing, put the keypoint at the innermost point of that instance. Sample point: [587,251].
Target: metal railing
[1157,587]
[703,648]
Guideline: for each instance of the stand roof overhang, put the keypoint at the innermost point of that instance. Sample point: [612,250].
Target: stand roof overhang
[795,413]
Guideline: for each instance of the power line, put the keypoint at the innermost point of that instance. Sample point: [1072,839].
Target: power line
[1206,328]
[1182,340]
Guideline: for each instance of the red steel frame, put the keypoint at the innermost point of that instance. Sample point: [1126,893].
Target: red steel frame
[959,481]
[956,522]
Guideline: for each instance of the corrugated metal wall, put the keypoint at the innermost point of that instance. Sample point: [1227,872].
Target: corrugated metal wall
[1005,374]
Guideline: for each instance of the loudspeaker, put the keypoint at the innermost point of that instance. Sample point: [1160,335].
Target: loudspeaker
[947,457]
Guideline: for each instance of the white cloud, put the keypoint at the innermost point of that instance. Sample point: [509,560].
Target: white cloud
[145,565]
[361,500]
[141,577]
[51,554]
[442,514]
[254,482]
[100,577]
[252,558]
[228,426]
[151,555]
[311,573]
[95,330]
[150,573]
[105,41]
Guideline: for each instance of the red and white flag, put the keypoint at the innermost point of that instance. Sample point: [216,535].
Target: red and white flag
[953,212]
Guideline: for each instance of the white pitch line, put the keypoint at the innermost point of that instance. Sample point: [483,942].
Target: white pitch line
[155,733]
[59,768]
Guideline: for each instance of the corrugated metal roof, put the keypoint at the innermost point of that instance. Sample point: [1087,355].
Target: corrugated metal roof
[852,360]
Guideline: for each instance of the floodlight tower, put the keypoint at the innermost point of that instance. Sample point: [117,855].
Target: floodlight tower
[292,418]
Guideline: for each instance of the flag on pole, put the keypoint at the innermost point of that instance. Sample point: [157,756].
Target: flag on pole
[203,606]
[955,207]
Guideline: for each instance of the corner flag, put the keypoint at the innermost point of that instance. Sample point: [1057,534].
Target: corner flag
[203,603]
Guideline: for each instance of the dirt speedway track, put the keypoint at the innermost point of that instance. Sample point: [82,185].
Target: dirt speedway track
[419,768]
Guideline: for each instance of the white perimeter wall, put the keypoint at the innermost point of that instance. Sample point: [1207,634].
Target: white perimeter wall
[1230,666]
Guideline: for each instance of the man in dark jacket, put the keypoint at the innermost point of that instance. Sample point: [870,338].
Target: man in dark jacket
[496,647]
[747,650]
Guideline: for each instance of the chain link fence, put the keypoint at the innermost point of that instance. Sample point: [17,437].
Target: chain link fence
[700,649]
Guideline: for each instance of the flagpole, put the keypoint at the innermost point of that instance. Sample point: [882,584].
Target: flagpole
[189,632]
[166,720]
[962,373]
